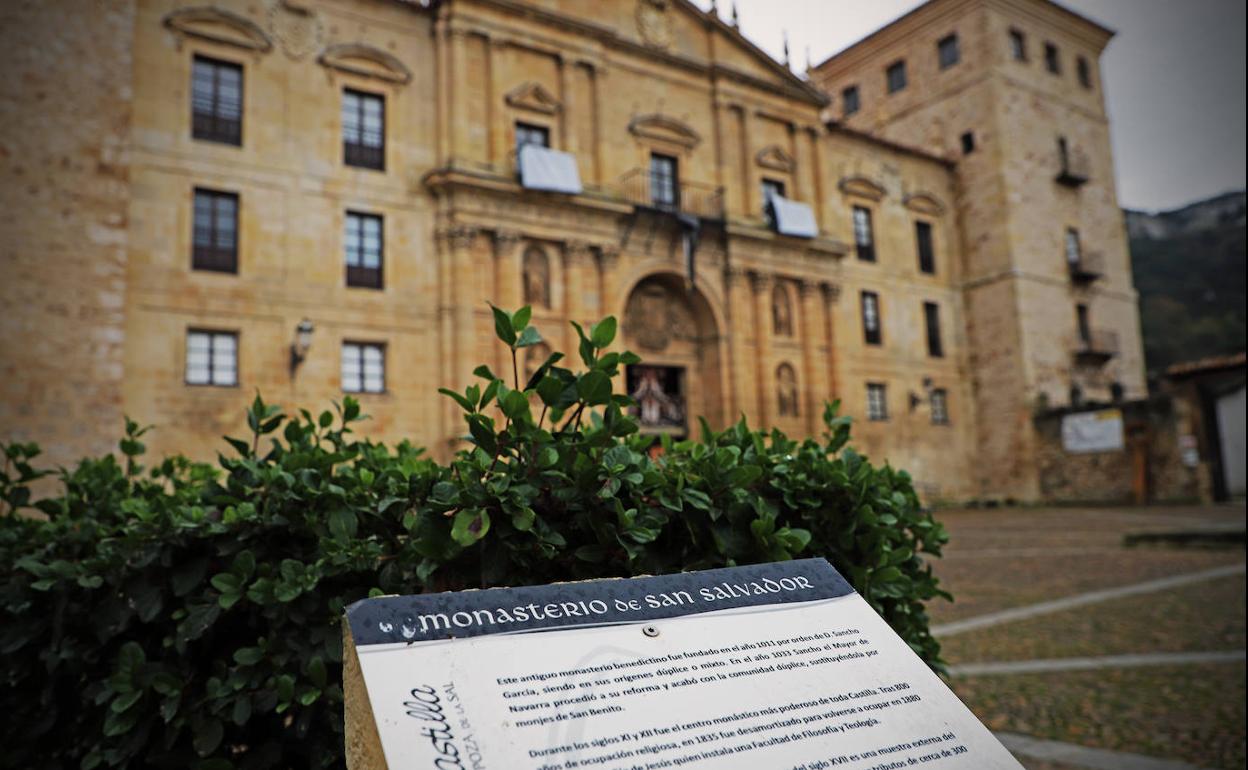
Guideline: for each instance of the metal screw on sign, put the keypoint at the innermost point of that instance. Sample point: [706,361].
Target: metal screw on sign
[650,631]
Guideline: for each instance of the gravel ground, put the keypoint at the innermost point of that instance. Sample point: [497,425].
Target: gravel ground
[1010,557]
[1193,713]
[998,559]
[1203,617]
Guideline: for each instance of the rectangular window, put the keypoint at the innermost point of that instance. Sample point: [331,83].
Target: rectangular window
[211,358]
[896,76]
[664,181]
[216,101]
[939,400]
[1084,324]
[362,243]
[927,254]
[214,231]
[877,401]
[864,238]
[363,367]
[931,318]
[1051,61]
[527,133]
[363,130]
[1074,252]
[968,143]
[1018,45]
[947,51]
[871,331]
[849,101]
[1084,70]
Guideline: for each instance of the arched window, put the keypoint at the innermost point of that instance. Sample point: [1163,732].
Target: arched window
[786,390]
[536,277]
[781,312]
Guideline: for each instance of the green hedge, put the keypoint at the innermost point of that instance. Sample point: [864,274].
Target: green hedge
[186,615]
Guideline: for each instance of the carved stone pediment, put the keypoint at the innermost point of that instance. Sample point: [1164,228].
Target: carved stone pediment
[533,97]
[775,157]
[654,317]
[862,187]
[360,59]
[664,129]
[924,203]
[218,26]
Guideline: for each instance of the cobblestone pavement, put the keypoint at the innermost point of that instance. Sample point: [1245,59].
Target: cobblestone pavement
[1008,558]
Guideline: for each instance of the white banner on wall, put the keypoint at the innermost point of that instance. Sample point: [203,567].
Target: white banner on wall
[1099,431]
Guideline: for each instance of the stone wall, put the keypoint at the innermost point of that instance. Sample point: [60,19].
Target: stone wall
[1152,430]
[65,104]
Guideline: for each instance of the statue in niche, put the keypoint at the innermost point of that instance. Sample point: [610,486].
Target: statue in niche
[534,356]
[536,278]
[786,390]
[781,312]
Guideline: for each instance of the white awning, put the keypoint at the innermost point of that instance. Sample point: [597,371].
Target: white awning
[793,218]
[542,168]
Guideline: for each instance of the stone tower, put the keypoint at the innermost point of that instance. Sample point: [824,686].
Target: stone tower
[1011,90]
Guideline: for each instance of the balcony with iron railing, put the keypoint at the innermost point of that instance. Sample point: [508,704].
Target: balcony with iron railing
[1096,346]
[1073,167]
[645,190]
[1089,267]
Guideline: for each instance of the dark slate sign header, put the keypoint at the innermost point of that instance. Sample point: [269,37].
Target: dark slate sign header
[456,615]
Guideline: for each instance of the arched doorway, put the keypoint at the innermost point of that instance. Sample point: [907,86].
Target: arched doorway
[674,331]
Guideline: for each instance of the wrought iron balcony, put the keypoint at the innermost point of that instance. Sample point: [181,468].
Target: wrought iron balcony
[658,193]
[1089,267]
[1073,167]
[1096,347]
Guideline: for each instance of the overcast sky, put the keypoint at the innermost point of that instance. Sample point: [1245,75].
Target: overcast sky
[1174,81]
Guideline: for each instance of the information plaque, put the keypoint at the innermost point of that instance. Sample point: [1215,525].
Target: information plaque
[767,667]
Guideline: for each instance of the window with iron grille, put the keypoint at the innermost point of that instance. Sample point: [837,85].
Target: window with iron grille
[363,367]
[211,357]
[216,101]
[896,76]
[664,181]
[1018,45]
[939,401]
[1074,253]
[528,133]
[362,243]
[850,101]
[947,51]
[871,331]
[214,236]
[927,254]
[1051,61]
[363,129]
[877,401]
[1084,71]
[864,238]
[931,318]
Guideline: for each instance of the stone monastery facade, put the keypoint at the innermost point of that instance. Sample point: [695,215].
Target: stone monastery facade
[308,198]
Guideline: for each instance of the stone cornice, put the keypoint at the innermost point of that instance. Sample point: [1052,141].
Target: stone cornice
[789,84]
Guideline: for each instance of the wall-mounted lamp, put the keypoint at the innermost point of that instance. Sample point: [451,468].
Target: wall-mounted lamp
[303,341]
[916,400]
